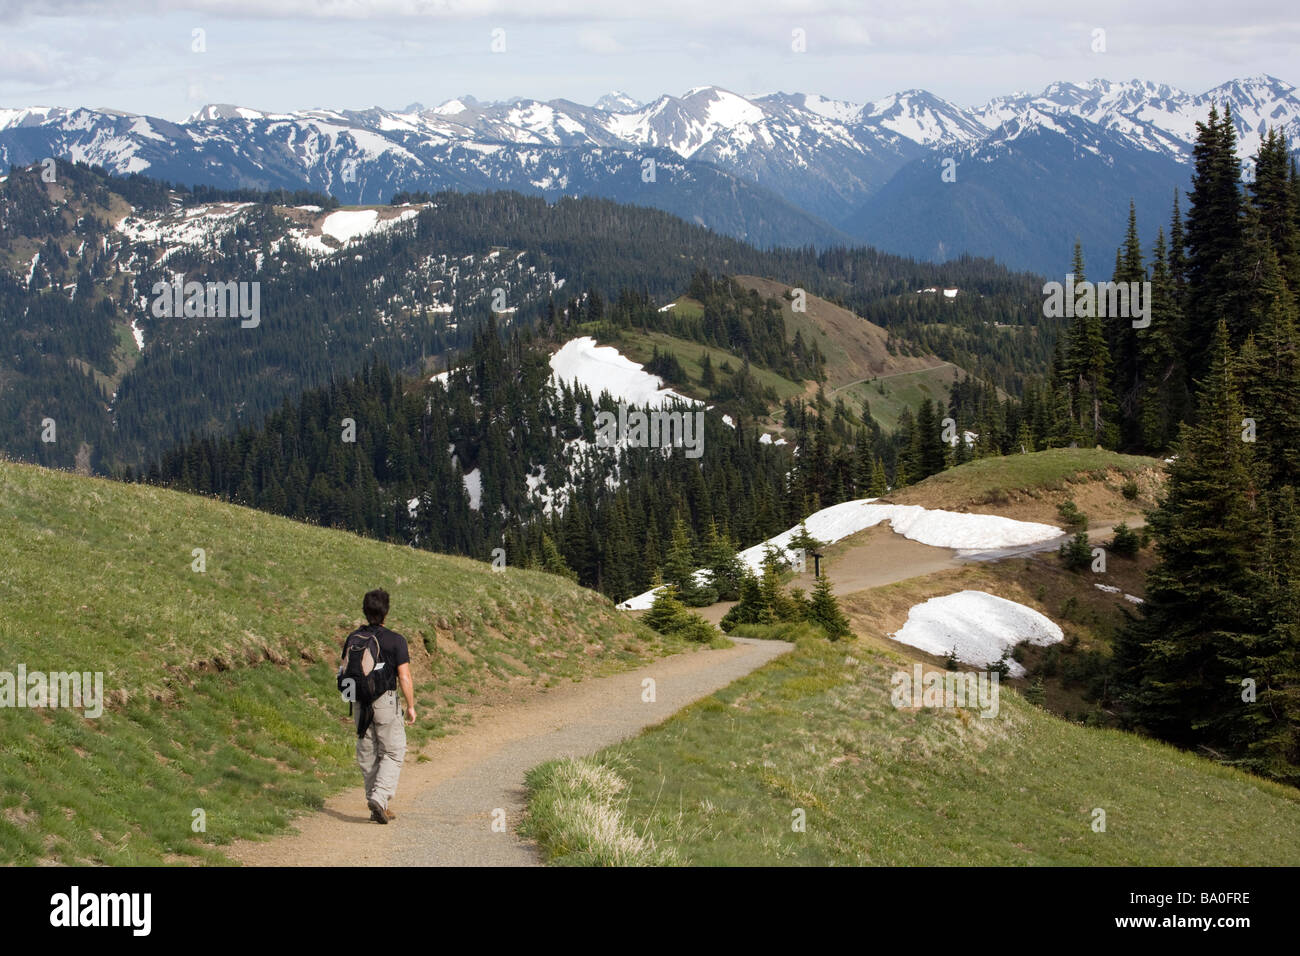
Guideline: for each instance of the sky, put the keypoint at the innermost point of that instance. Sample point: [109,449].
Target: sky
[167,58]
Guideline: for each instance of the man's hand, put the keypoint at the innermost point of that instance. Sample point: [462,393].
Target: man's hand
[408,690]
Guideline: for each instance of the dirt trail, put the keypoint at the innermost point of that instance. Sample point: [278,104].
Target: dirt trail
[445,806]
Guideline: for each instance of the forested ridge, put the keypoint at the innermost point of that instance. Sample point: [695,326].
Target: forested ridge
[66,351]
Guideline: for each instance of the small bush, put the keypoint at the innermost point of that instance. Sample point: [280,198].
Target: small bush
[1051,662]
[1036,693]
[697,629]
[1126,541]
[1071,516]
[1001,667]
[1076,553]
[1130,490]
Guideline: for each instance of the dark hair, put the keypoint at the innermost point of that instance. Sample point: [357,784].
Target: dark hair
[375,605]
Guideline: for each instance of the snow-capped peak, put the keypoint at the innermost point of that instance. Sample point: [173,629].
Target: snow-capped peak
[223,111]
[616,101]
[923,118]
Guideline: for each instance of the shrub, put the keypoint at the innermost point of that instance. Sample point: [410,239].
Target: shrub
[1130,489]
[1076,553]
[695,628]
[1126,541]
[1051,662]
[1074,519]
[1036,693]
[1001,667]
[667,614]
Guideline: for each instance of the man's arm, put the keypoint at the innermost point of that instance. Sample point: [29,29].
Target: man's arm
[408,690]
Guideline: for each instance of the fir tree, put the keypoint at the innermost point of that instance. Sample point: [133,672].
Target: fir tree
[552,562]
[1202,605]
[824,610]
[1213,236]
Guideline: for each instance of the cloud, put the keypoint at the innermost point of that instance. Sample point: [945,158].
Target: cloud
[26,65]
[599,42]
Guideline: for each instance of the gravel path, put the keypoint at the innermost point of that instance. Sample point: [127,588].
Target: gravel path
[446,806]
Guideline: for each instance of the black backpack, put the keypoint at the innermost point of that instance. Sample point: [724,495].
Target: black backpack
[361,679]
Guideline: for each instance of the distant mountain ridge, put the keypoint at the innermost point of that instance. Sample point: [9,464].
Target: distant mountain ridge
[778,169]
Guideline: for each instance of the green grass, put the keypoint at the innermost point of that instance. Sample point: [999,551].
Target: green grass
[220,684]
[639,346]
[578,811]
[905,390]
[722,782]
[986,479]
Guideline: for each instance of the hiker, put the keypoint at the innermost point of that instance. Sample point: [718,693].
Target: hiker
[375,662]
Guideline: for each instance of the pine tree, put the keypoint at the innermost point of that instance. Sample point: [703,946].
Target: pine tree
[679,570]
[1093,413]
[667,613]
[824,610]
[552,562]
[1213,237]
[1268,728]
[1271,194]
[1202,606]
[752,608]
[1164,400]
[1122,340]
[724,566]
[879,483]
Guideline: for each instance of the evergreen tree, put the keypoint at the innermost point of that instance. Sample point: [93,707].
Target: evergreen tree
[1093,413]
[552,562]
[724,566]
[1202,606]
[1213,237]
[1272,195]
[825,611]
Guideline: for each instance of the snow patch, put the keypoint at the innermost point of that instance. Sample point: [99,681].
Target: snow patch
[602,368]
[980,627]
[474,487]
[940,529]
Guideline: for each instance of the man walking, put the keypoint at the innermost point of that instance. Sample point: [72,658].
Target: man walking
[379,661]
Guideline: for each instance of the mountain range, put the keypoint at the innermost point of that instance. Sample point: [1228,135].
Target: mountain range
[1026,174]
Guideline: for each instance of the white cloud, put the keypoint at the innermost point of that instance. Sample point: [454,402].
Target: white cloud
[599,42]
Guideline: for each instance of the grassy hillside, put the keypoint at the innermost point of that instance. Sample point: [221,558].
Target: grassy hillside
[220,684]
[859,363]
[855,349]
[639,345]
[1029,487]
[720,784]
[888,395]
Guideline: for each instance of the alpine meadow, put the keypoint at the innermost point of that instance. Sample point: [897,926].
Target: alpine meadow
[874,469]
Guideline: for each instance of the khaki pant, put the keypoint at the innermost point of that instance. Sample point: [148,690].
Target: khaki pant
[382,748]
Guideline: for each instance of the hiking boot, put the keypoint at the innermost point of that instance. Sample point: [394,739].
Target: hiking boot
[378,813]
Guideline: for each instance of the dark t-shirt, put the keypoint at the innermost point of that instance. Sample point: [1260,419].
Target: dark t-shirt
[392,650]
